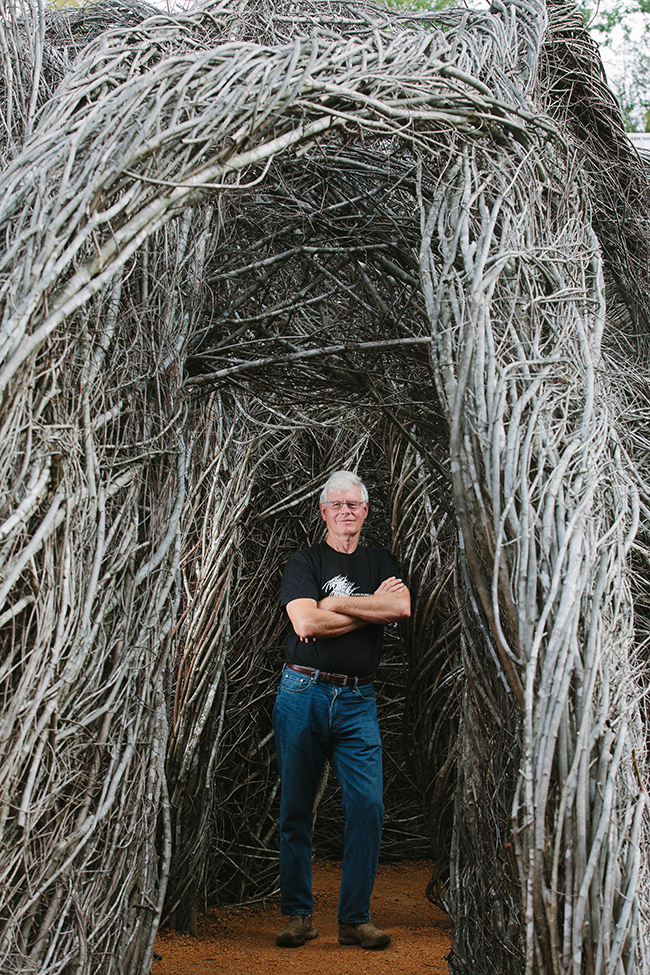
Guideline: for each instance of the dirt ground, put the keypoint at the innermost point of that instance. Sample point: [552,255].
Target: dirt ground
[241,940]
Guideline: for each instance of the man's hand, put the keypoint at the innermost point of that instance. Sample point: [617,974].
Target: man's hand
[392,584]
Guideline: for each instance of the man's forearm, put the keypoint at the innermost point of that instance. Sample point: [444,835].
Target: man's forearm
[320,624]
[380,608]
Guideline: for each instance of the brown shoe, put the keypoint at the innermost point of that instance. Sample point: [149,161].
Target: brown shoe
[299,929]
[366,935]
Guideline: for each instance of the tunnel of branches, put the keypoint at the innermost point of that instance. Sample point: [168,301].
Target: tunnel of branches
[249,245]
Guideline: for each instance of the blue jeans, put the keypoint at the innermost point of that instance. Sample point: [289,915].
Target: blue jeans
[314,721]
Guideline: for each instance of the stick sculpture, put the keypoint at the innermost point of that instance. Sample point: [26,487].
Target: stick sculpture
[245,244]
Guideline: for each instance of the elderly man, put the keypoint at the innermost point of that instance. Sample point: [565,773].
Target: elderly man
[338,595]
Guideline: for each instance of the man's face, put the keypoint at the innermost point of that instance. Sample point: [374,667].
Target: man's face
[344,522]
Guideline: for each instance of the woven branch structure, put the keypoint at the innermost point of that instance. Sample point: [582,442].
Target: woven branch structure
[243,247]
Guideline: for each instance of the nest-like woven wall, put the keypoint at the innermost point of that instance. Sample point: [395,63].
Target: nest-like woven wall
[242,247]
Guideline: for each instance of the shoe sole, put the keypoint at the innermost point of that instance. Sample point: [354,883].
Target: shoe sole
[295,943]
[373,946]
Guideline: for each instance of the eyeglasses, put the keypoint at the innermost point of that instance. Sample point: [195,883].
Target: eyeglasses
[337,505]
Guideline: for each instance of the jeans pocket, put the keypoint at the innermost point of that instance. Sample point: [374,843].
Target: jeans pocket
[294,683]
[366,691]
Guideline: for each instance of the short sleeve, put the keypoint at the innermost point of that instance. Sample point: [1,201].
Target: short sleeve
[389,566]
[299,579]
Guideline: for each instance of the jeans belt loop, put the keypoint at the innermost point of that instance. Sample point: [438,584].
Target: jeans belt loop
[315,676]
[356,685]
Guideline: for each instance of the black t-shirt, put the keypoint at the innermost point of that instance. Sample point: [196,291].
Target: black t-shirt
[320,571]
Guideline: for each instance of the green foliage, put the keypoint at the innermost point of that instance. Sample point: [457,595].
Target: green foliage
[622,29]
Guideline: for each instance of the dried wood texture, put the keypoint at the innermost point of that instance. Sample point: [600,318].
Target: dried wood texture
[245,246]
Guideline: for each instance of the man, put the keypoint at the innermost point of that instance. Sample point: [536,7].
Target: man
[338,596]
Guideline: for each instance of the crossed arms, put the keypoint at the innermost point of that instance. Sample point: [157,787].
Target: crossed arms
[336,615]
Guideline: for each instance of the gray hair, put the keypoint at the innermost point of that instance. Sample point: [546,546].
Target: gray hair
[342,481]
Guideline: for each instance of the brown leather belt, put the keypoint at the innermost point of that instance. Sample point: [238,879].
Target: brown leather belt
[341,680]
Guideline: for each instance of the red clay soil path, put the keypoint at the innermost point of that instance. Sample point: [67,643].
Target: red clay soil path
[241,940]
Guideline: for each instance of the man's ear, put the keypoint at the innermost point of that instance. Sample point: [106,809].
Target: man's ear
[322,511]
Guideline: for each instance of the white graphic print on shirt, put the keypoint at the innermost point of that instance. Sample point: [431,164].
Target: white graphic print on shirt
[342,586]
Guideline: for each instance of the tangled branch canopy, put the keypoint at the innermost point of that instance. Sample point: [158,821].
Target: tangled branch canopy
[245,246]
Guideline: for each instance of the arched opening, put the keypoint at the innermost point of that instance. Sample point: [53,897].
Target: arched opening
[309,357]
